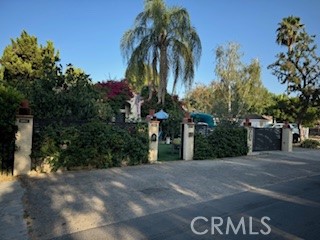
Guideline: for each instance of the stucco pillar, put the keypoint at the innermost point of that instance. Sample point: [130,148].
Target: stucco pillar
[249,139]
[188,141]
[247,125]
[286,144]
[22,160]
[153,127]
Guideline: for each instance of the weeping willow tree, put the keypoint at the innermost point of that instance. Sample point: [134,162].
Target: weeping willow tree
[139,76]
[163,38]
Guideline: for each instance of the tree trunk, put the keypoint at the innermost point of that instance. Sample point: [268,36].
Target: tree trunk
[163,74]
[151,89]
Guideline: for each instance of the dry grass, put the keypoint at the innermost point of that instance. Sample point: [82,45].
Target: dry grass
[7,178]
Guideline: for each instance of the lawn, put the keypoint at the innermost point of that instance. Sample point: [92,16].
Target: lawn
[166,153]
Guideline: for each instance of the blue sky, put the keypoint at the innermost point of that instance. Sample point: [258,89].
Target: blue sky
[88,33]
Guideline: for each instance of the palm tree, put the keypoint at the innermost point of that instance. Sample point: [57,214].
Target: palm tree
[163,38]
[288,32]
[141,75]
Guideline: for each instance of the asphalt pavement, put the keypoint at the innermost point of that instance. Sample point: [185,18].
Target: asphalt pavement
[288,210]
[12,223]
[274,195]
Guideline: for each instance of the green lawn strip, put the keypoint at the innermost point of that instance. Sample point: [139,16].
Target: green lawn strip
[166,152]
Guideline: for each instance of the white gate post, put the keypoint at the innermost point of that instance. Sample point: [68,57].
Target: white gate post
[22,160]
[153,127]
[250,139]
[247,125]
[286,144]
[188,138]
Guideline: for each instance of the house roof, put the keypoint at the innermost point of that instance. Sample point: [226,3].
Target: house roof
[257,116]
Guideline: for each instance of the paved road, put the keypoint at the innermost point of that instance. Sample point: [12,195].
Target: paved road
[292,211]
[12,224]
[159,201]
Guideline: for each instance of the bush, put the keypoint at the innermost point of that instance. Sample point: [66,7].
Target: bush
[310,143]
[202,148]
[95,144]
[9,103]
[222,142]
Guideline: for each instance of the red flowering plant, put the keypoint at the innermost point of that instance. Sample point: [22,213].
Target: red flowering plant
[117,93]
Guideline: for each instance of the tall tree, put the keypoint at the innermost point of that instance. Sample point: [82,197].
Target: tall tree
[24,61]
[164,38]
[228,70]
[53,93]
[239,89]
[299,67]
[288,31]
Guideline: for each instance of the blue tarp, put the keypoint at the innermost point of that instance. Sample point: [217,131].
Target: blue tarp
[161,115]
[204,117]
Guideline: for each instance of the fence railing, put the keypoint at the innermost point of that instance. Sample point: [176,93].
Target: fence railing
[314,131]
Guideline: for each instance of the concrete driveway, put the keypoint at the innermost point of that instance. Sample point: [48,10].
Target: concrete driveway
[68,205]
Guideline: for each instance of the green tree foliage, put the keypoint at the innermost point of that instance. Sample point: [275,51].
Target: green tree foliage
[163,38]
[171,126]
[9,103]
[239,89]
[69,95]
[201,98]
[298,67]
[288,31]
[53,93]
[286,108]
[172,103]
[24,61]
[140,76]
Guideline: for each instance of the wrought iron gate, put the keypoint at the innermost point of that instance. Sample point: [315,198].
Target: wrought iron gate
[182,141]
[267,139]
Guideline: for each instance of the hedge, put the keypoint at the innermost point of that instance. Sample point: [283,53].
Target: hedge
[95,144]
[222,142]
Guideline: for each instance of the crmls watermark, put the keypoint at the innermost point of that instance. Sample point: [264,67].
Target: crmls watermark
[219,226]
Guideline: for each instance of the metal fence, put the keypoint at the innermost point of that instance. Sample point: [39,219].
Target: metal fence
[267,139]
[314,131]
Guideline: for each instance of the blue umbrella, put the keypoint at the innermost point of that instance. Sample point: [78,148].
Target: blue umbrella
[161,115]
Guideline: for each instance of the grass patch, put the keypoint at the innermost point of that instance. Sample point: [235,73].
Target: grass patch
[166,153]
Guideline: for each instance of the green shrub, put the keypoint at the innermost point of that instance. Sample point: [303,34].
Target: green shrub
[9,103]
[222,142]
[95,144]
[310,143]
[202,148]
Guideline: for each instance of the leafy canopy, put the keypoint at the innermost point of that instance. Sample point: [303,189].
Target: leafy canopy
[24,61]
[299,66]
[53,92]
[162,37]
